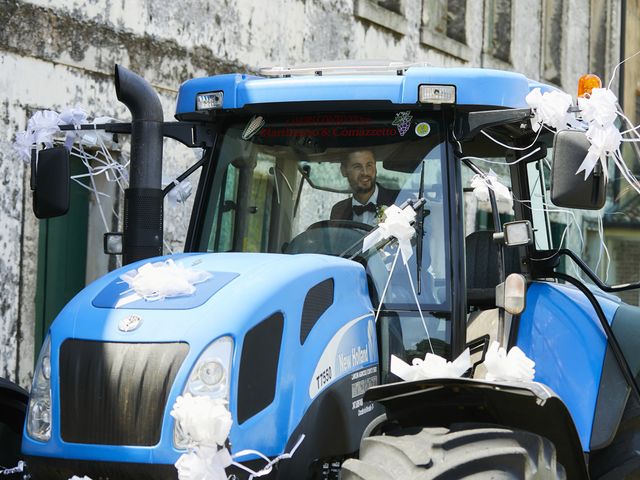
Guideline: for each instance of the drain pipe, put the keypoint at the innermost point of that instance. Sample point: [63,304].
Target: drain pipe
[143,216]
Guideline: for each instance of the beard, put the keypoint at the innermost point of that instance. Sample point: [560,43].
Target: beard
[356,187]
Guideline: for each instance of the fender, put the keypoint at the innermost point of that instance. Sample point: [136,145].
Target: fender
[527,406]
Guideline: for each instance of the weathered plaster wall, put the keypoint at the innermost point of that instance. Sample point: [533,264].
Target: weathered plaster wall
[56,53]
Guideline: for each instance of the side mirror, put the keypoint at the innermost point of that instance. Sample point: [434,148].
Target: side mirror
[568,189]
[50,182]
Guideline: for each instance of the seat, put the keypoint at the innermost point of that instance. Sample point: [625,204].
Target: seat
[482,268]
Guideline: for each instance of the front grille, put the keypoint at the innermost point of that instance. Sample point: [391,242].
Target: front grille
[115,393]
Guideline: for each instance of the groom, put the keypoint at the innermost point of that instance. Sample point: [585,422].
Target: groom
[359,168]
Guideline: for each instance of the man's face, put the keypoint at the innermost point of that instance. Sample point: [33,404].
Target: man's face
[360,171]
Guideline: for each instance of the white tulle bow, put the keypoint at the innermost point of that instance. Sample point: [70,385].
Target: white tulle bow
[433,366]
[512,366]
[396,224]
[44,125]
[156,281]
[205,421]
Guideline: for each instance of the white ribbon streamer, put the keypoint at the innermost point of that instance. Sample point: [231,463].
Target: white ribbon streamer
[433,366]
[23,144]
[97,137]
[397,224]
[179,193]
[17,469]
[160,280]
[266,470]
[481,185]
[205,421]
[514,366]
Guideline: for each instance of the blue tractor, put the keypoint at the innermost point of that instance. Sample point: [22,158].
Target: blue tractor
[300,323]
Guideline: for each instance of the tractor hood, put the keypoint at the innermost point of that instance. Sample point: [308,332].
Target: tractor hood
[241,287]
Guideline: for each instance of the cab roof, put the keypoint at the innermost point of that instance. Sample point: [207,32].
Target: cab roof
[474,86]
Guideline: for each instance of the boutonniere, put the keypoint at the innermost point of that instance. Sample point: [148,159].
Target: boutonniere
[380,213]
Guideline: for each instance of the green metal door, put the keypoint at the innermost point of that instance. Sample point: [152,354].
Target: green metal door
[62,257]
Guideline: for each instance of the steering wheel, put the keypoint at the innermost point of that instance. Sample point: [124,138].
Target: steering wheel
[341,224]
[330,237]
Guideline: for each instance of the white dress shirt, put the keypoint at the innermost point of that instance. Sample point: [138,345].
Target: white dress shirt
[367,217]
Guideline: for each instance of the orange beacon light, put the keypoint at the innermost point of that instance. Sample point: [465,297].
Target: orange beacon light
[587,83]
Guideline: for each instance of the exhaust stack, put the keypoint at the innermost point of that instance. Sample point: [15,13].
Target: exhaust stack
[143,215]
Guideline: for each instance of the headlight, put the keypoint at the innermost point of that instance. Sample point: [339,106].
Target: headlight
[208,377]
[39,412]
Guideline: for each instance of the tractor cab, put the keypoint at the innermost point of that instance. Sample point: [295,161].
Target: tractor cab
[289,187]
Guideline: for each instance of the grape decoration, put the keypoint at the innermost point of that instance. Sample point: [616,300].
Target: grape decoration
[402,122]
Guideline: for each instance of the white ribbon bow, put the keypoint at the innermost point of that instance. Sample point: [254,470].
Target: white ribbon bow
[600,110]
[550,108]
[600,107]
[433,366]
[512,366]
[397,224]
[481,185]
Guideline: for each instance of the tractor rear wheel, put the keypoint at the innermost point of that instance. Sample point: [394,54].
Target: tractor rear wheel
[463,451]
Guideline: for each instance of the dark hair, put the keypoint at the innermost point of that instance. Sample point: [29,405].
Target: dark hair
[344,163]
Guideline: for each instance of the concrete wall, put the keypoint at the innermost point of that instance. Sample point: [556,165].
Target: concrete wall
[56,53]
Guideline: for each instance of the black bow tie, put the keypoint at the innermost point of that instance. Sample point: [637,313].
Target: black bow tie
[360,209]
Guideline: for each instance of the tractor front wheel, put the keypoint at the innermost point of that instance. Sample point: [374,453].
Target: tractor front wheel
[463,451]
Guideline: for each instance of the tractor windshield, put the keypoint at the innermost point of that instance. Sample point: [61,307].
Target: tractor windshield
[319,183]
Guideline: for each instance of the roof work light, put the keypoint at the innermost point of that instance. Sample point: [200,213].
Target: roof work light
[437,94]
[209,100]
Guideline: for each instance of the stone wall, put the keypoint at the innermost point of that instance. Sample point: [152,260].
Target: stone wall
[56,53]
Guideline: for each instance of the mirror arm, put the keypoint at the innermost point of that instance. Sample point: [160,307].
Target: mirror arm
[548,260]
[185,174]
[468,126]
[189,134]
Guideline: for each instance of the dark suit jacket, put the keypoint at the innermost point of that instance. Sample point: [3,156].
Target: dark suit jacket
[343,211]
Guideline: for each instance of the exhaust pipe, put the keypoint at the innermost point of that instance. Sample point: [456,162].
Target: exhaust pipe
[143,215]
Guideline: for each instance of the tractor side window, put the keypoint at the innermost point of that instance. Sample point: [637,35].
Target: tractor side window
[481,252]
[248,188]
